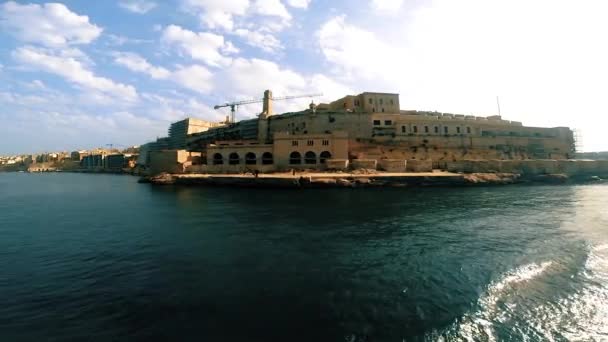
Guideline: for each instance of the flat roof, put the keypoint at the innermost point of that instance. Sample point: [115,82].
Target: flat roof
[371,92]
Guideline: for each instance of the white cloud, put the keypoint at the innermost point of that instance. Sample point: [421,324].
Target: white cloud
[75,120]
[51,24]
[271,8]
[137,63]
[204,46]
[217,13]
[137,6]
[263,41]
[299,3]
[546,72]
[195,77]
[229,48]
[331,89]
[75,129]
[179,106]
[248,78]
[387,5]
[119,40]
[72,70]
[358,53]
[37,84]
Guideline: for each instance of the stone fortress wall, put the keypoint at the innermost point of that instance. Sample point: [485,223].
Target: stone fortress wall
[370,131]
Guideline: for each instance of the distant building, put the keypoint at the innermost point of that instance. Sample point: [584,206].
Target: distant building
[115,162]
[93,161]
[78,155]
[179,131]
[177,140]
[362,129]
[371,126]
[593,155]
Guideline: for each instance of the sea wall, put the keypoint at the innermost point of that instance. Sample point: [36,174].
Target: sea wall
[532,167]
[393,165]
[337,164]
[416,165]
[171,161]
[370,164]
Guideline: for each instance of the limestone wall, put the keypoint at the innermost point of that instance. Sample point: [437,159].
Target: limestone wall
[414,165]
[393,165]
[531,167]
[228,169]
[171,161]
[370,164]
[337,164]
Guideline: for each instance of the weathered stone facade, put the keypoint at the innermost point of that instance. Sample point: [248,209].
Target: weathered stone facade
[371,126]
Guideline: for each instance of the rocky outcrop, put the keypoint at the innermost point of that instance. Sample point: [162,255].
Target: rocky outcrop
[160,179]
[491,178]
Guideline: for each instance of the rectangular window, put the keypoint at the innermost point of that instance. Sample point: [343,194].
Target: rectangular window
[380,101]
[458,130]
[436,129]
[371,101]
[325,142]
[294,143]
[376,122]
[426,129]
[311,142]
[392,103]
[468,130]
[388,122]
[402,129]
[415,129]
[445,129]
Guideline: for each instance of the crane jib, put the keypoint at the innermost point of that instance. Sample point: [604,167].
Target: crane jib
[234,105]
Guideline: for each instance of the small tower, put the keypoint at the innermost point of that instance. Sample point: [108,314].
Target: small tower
[313,108]
[263,118]
[267,107]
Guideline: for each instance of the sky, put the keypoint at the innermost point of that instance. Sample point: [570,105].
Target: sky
[84,74]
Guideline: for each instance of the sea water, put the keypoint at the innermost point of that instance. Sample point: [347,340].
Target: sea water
[101,257]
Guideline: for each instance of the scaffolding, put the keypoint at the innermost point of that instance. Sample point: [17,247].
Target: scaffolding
[577,145]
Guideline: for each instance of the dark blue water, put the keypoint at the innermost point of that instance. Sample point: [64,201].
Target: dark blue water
[100,257]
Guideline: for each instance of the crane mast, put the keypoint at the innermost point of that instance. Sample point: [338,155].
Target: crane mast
[234,105]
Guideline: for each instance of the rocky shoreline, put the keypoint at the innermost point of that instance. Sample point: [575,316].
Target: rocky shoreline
[339,180]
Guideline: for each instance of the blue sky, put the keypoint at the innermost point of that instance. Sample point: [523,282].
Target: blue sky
[82,74]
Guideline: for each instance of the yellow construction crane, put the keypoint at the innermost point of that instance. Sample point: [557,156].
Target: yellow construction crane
[234,105]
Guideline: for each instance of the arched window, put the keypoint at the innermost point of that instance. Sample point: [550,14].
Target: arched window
[295,158]
[218,159]
[250,158]
[267,158]
[324,156]
[310,158]
[233,159]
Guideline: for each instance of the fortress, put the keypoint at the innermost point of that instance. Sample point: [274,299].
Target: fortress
[368,131]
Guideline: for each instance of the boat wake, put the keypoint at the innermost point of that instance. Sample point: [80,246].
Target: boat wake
[510,307]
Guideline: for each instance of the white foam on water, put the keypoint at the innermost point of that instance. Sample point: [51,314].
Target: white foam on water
[581,316]
[479,325]
[588,309]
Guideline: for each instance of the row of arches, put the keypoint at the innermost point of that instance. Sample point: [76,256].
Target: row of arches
[250,159]
[295,158]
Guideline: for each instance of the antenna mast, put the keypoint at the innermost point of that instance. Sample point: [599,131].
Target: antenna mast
[498,104]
